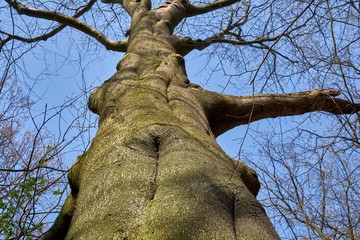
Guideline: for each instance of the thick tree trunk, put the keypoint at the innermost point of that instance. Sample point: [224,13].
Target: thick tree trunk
[161,181]
[154,169]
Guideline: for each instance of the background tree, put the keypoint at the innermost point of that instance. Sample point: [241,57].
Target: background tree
[32,169]
[25,161]
[161,174]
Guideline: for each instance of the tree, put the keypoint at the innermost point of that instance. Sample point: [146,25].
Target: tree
[154,169]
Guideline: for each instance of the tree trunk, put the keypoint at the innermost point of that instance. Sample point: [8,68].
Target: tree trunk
[154,169]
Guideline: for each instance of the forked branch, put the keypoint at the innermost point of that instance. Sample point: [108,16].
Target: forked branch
[225,112]
[47,35]
[71,22]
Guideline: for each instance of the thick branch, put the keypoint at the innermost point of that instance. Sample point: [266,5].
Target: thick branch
[192,10]
[225,112]
[69,21]
[184,45]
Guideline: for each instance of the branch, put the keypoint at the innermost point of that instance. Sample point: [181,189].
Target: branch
[235,38]
[239,42]
[231,33]
[184,45]
[226,112]
[47,35]
[69,21]
[192,10]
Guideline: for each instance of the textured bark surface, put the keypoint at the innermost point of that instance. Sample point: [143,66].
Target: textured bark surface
[154,169]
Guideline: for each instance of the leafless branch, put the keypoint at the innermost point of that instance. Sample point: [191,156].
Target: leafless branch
[69,21]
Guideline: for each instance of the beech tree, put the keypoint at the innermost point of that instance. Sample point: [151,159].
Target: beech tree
[154,169]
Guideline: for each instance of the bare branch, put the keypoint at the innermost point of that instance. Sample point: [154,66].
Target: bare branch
[226,112]
[69,21]
[192,10]
[185,45]
[47,35]
[231,34]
